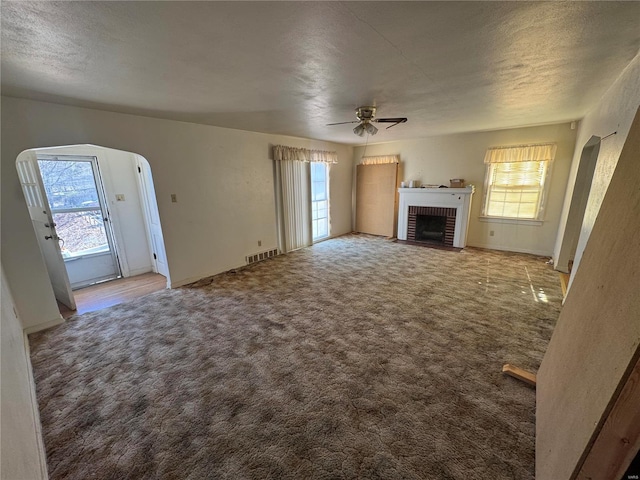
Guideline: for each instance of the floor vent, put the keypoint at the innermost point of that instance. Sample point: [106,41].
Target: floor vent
[261,256]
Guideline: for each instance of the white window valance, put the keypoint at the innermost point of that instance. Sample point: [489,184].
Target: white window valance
[380,160]
[521,153]
[281,152]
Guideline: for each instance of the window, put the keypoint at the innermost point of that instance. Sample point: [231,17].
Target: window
[75,205]
[320,200]
[302,195]
[515,183]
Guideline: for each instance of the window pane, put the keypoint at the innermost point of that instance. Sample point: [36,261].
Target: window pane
[320,203]
[323,229]
[82,232]
[69,184]
[318,171]
[514,189]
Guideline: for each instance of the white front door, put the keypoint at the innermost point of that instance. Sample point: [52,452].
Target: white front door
[43,225]
[78,210]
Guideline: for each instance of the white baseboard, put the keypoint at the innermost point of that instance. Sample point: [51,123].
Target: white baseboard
[42,456]
[139,271]
[44,325]
[187,281]
[541,253]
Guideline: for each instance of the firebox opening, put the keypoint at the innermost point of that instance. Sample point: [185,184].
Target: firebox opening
[430,228]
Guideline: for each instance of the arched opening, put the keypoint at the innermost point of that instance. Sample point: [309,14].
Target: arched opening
[578,205]
[94,214]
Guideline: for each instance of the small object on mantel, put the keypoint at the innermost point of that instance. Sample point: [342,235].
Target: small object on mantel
[457,183]
[520,374]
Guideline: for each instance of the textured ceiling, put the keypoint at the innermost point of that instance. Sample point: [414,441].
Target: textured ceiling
[291,67]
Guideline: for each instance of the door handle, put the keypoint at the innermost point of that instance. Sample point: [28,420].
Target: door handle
[48,237]
[50,226]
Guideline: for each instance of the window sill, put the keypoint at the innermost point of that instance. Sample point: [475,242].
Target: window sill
[515,221]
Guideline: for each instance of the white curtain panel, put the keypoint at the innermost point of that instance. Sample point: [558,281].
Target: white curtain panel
[521,153]
[380,160]
[282,152]
[293,180]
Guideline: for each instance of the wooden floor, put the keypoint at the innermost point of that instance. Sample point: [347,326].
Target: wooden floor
[111,293]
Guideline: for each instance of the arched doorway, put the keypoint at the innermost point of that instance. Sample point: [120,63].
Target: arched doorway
[94,213]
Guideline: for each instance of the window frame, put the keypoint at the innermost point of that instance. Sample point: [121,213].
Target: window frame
[314,218]
[543,190]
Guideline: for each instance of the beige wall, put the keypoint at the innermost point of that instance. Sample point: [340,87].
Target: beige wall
[436,160]
[223,180]
[22,452]
[614,113]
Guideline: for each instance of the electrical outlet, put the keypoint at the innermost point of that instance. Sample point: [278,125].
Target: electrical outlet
[174,199]
[259,243]
[491,233]
[119,197]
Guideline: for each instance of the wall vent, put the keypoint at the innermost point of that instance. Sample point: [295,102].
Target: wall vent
[261,256]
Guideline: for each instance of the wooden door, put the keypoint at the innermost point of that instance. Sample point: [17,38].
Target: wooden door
[585,426]
[376,199]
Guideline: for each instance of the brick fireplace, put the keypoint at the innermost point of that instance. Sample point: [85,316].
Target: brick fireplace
[431,225]
[435,215]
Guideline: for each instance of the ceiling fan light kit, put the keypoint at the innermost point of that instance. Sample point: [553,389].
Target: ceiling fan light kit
[365,127]
[366,115]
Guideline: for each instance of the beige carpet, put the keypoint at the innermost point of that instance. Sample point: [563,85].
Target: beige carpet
[356,358]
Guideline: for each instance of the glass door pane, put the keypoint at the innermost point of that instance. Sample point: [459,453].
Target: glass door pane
[69,184]
[319,200]
[76,200]
[83,233]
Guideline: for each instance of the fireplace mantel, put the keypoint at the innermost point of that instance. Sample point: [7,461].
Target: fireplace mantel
[458,198]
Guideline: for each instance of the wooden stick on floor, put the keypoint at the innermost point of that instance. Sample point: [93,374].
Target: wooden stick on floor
[520,374]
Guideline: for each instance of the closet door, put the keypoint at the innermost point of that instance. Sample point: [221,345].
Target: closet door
[376,194]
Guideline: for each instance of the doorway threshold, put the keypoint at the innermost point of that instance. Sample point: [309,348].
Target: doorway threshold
[107,294]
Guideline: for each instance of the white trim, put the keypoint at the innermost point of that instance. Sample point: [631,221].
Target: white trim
[140,271]
[539,253]
[516,221]
[44,325]
[42,456]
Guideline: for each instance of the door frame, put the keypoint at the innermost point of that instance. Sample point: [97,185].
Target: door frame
[104,209]
[149,201]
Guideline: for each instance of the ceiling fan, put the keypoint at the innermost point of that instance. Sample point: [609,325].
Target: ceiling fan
[366,117]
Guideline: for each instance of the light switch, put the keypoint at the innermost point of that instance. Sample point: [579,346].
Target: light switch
[174,199]
[119,197]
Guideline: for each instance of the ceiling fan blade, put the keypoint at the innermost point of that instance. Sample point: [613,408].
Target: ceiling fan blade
[342,123]
[395,121]
[391,120]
